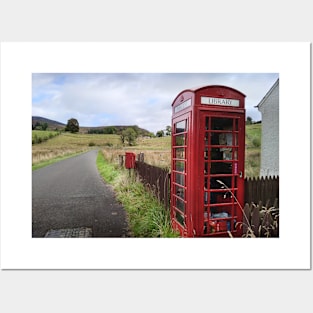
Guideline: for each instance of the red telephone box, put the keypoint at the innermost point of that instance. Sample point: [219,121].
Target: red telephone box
[208,156]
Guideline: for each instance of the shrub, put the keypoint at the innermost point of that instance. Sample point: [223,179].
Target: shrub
[256,142]
[264,220]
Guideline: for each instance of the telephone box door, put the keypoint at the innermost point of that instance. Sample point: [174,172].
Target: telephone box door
[222,181]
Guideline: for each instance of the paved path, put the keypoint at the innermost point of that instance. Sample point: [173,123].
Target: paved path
[70,197]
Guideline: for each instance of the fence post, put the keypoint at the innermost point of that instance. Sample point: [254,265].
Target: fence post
[141,157]
[121,160]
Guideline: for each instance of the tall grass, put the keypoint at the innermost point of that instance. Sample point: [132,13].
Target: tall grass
[146,216]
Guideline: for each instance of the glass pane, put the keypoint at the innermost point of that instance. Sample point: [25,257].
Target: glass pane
[216,154]
[180,153]
[214,139]
[180,219]
[180,140]
[223,212]
[180,192]
[180,179]
[215,182]
[180,205]
[181,127]
[180,166]
[221,168]
[227,153]
[222,123]
[222,138]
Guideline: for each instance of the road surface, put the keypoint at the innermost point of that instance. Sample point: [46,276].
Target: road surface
[70,199]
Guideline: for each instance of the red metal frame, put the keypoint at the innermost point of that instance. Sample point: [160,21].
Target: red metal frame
[207,185]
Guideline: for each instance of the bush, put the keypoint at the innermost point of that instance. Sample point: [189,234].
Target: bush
[72,125]
[256,142]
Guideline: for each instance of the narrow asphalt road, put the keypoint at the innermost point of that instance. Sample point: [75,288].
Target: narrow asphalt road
[70,194]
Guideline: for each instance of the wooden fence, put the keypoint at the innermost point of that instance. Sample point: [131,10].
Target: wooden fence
[156,179]
[264,189]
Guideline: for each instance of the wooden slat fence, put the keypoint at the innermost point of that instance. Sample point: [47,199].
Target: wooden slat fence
[156,179]
[265,189]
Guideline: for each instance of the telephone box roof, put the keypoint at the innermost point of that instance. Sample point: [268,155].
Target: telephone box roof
[195,89]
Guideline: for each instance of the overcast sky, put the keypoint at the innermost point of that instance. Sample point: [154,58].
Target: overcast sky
[132,99]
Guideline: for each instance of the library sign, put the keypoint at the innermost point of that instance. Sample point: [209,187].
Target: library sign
[220,101]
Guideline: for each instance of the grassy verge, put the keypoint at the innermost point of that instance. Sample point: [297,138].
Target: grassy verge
[253,150]
[54,160]
[147,218]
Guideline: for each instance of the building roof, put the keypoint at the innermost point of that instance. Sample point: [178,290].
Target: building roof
[268,94]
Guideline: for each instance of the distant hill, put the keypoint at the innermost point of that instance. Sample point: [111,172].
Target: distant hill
[116,129]
[52,125]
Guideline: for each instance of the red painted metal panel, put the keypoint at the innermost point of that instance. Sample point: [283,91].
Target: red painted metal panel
[130,159]
[208,148]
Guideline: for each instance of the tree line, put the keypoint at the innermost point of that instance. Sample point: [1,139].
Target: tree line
[40,126]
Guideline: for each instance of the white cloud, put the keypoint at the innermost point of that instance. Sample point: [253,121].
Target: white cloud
[133,99]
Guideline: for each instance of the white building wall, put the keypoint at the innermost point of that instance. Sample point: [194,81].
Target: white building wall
[270,133]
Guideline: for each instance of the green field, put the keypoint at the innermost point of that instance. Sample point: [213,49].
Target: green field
[253,150]
[157,150]
[39,136]
[67,144]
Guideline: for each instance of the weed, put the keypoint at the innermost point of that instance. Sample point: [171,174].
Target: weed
[250,232]
[264,221]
